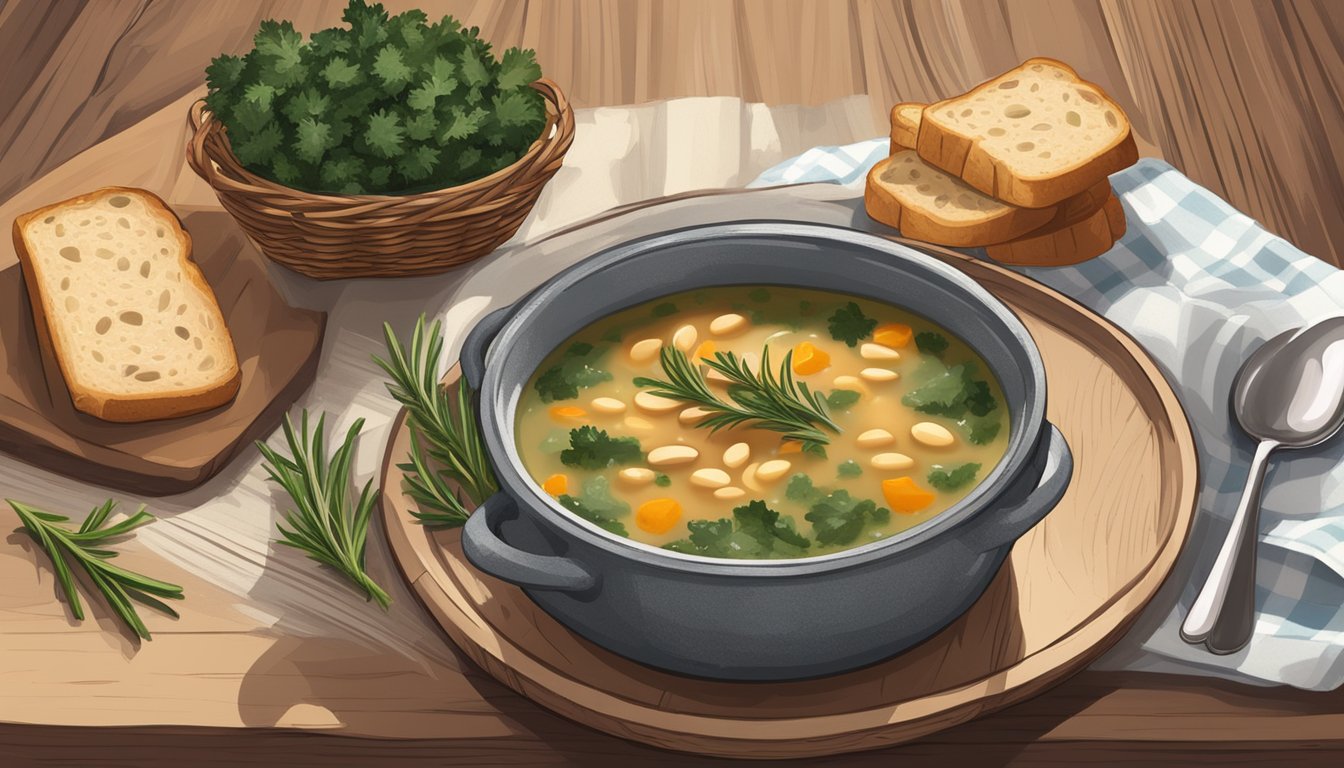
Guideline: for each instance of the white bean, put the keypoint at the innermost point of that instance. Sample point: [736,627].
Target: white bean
[848,382]
[607,405]
[685,338]
[891,461]
[724,325]
[879,374]
[871,351]
[636,476]
[772,470]
[646,350]
[647,401]
[669,455]
[710,478]
[749,477]
[736,455]
[638,422]
[875,438]
[729,493]
[693,414]
[931,434]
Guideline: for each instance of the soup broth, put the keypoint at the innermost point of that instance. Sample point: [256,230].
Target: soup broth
[888,421]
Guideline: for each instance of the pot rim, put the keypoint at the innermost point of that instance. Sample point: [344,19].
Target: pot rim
[514,480]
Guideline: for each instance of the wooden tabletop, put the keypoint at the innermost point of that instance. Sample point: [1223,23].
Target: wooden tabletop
[1242,96]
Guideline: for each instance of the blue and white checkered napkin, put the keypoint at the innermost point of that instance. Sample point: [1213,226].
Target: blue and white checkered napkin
[1200,286]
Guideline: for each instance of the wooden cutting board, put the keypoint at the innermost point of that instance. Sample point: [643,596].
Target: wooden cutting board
[1068,591]
[278,347]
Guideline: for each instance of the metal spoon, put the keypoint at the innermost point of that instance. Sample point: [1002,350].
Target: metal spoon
[1288,394]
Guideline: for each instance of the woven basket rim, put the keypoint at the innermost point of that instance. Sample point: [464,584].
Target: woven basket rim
[202,123]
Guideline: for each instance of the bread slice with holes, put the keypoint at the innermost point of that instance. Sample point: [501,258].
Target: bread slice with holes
[1085,226]
[1031,136]
[927,204]
[121,310]
[905,125]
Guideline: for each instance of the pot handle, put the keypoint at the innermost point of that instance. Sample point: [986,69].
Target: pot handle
[474,347]
[1005,526]
[487,551]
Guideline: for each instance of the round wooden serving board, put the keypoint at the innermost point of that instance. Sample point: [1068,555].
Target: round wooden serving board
[1070,589]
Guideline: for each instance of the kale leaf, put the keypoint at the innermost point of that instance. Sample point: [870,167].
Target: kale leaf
[842,399]
[850,325]
[593,448]
[596,505]
[949,480]
[384,105]
[576,370]
[838,518]
[849,468]
[754,532]
[952,393]
[931,343]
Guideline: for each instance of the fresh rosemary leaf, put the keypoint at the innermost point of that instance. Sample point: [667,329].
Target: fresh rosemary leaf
[443,422]
[325,524]
[451,433]
[119,587]
[768,400]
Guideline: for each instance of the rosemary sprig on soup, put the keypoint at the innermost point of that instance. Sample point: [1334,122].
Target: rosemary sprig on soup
[669,422]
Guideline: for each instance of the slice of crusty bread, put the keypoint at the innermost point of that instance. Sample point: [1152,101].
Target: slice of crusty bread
[122,310]
[905,125]
[1031,136]
[1085,226]
[927,204]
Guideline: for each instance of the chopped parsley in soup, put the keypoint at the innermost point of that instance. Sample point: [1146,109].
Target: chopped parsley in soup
[760,422]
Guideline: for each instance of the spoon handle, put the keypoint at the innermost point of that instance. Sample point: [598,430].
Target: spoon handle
[1223,628]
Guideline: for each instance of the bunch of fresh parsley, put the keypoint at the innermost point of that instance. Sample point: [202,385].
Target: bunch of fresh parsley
[387,105]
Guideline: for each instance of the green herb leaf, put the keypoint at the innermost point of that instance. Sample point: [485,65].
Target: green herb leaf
[664,309]
[850,468]
[391,90]
[118,586]
[593,448]
[517,69]
[982,430]
[576,370]
[931,343]
[850,325]
[328,524]
[950,480]
[838,518]
[766,400]
[842,399]
[755,532]
[444,421]
[661,480]
[597,505]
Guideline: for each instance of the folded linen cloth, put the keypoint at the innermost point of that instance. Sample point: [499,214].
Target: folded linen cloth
[1200,285]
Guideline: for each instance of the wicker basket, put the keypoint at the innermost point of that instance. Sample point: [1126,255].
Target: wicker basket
[340,236]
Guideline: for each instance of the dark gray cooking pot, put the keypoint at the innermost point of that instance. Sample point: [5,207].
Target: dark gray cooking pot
[772,619]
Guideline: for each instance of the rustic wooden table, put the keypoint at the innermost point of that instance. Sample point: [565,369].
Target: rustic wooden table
[1242,96]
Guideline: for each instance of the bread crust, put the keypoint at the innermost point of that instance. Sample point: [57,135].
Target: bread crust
[918,224]
[1081,235]
[961,155]
[904,134]
[110,406]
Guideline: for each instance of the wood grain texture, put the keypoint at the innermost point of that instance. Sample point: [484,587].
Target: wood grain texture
[1245,96]
[268,644]
[1070,587]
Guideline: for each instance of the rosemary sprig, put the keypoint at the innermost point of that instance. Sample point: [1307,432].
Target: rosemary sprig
[442,421]
[774,402]
[117,585]
[324,524]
